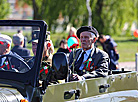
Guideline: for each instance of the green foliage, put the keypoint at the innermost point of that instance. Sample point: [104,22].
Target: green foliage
[108,16]
[57,37]
[49,10]
[75,10]
[4,9]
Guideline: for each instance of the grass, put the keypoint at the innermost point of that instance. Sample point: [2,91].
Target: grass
[127,46]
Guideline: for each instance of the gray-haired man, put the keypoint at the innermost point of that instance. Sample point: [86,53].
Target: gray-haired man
[8,59]
[18,41]
[89,60]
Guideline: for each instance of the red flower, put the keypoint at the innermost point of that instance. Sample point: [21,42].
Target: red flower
[49,44]
[74,46]
[1,43]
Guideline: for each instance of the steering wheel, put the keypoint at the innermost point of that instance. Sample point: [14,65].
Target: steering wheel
[16,57]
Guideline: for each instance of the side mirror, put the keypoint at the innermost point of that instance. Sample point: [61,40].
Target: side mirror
[60,66]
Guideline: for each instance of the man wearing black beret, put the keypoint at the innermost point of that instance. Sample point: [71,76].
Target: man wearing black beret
[89,61]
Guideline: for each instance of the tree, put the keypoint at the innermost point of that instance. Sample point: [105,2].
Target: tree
[108,16]
[76,11]
[90,12]
[4,9]
[49,10]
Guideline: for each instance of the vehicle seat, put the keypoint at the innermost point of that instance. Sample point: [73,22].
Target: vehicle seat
[60,65]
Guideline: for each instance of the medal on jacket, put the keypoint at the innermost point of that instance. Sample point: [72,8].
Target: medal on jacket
[6,65]
[88,63]
[44,70]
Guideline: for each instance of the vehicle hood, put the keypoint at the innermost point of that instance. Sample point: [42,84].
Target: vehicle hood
[9,95]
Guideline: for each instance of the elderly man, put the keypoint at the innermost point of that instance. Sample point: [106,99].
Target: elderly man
[18,41]
[5,46]
[89,61]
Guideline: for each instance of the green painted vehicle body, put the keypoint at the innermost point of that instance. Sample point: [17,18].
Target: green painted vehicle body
[113,88]
[120,86]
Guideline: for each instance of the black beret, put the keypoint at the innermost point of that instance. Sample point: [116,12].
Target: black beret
[35,36]
[87,28]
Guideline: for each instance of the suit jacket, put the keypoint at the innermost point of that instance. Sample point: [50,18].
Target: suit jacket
[21,51]
[15,63]
[98,66]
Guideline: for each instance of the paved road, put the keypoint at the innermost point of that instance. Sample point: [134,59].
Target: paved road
[127,66]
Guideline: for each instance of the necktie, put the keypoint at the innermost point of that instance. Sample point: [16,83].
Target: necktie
[80,61]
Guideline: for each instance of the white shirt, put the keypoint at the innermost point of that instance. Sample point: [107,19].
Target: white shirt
[2,60]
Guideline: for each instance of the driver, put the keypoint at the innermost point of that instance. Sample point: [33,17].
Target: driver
[5,49]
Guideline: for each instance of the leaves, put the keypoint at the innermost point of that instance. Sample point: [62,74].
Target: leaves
[108,16]
[4,9]
[114,14]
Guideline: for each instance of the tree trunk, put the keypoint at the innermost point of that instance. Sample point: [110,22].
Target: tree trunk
[90,13]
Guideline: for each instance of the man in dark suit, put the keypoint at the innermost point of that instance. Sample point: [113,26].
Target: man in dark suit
[89,61]
[25,38]
[18,40]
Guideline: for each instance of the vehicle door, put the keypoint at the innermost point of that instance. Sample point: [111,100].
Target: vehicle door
[56,92]
[123,87]
[94,90]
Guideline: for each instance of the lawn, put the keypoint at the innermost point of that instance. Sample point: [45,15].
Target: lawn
[127,46]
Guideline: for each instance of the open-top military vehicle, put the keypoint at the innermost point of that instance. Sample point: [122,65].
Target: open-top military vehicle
[20,86]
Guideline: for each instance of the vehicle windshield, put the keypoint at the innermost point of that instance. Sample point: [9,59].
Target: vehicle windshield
[18,47]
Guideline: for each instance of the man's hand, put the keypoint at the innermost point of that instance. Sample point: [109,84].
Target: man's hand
[117,67]
[75,77]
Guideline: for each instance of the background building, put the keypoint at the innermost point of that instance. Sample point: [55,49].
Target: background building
[20,10]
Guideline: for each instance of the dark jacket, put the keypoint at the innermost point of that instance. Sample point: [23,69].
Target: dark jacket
[108,47]
[44,69]
[14,62]
[63,50]
[98,66]
[21,51]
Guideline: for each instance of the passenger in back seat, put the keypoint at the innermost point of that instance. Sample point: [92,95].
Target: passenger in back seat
[89,61]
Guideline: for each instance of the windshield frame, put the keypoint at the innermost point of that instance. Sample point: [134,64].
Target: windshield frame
[30,77]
